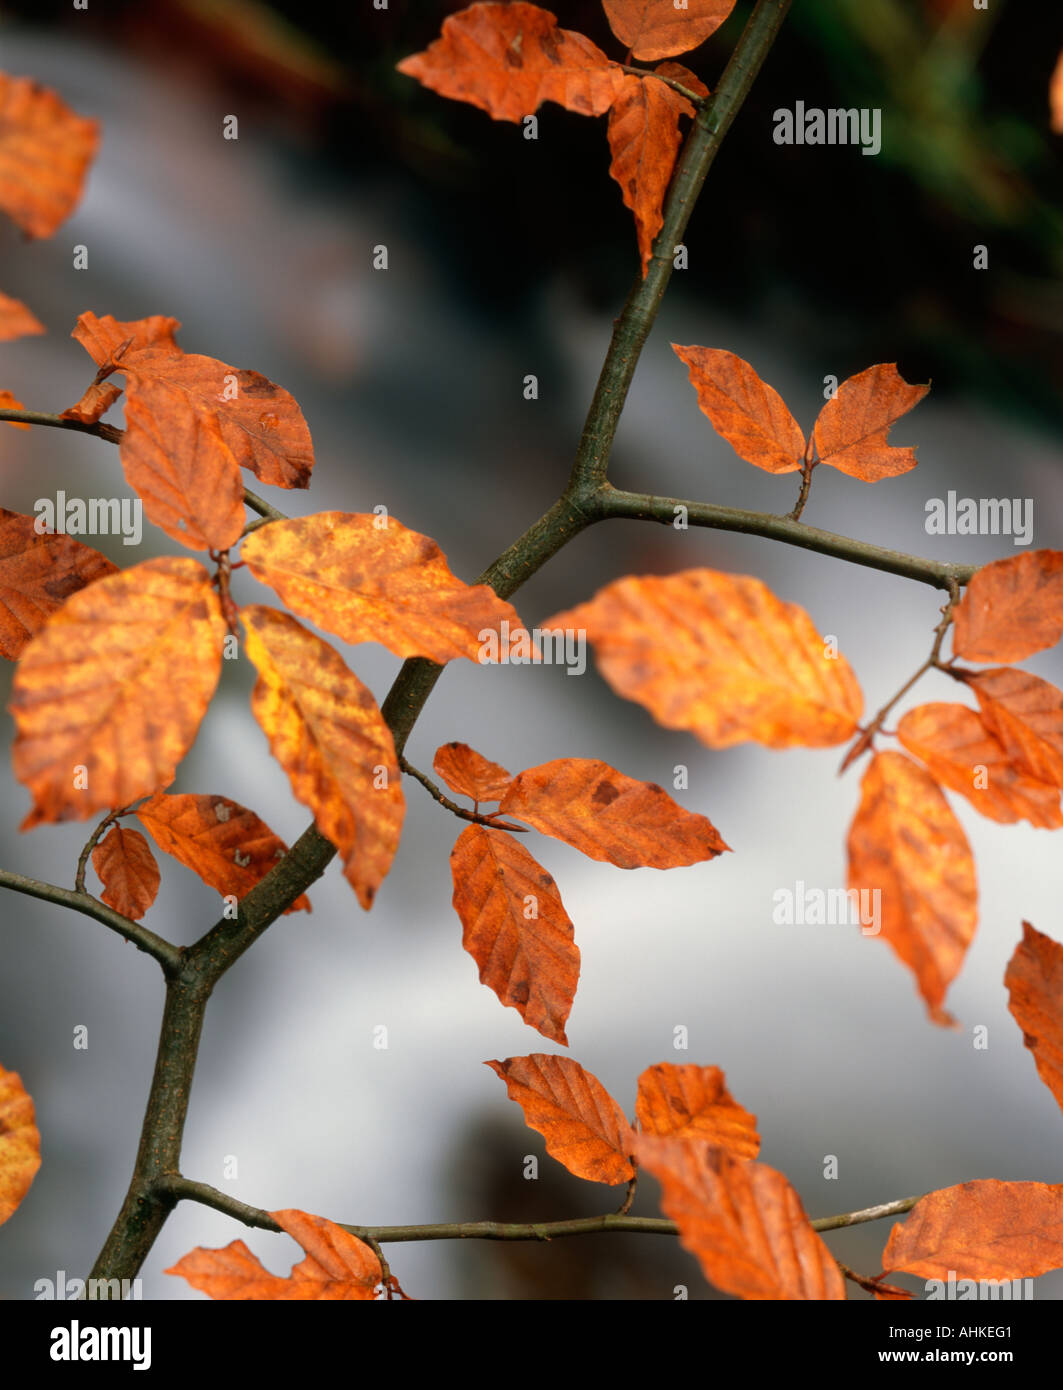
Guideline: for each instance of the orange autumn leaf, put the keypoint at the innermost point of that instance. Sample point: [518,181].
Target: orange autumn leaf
[661,28]
[100,718]
[906,843]
[742,1221]
[610,817]
[96,401]
[227,845]
[515,928]
[509,59]
[582,1124]
[643,131]
[965,756]
[325,730]
[20,1143]
[8,402]
[260,421]
[338,1266]
[747,412]
[692,1102]
[1034,981]
[16,321]
[45,150]
[469,773]
[1055,96]
[38,573]
[368,583]
[1011,608]
[128,871]
[980,1230]
[851,430]
[1026,714]
[100,337]
[720,655]
[176,459]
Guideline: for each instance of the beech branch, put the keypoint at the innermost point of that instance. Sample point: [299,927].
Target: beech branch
[168,956]
[186,1189]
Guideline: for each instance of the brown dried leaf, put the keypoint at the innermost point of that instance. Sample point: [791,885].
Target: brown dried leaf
[176,459]
[127,869]
[965,756]
[582,1124]
[644,138]
[531,962]
[980,1230]
[721,655]
[20,1143]
[661,28]
[469,773]
[906,843]
[742,1221]
[16,321]
[338,1266]
[45,151]
[1034,981]
[260,421]
[325,730]
[692,1102]
[38,573]
[1011,608]
[101,720]
[101,337]
[1026,714]
[227,845]
[368,583]
[852,429]
[509,59]
[610,817]
[747,412]
[97,400]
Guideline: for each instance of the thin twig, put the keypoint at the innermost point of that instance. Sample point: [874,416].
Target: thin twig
[168,956]
[452,806]
[692,97]
[90,845]
[186,1189]
[933,662]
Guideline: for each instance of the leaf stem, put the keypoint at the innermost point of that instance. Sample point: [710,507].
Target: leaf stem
[452,806]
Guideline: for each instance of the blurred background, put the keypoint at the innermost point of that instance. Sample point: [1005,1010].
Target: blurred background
[508,257]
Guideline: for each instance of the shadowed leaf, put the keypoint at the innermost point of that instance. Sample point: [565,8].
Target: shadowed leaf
[852,429]
[661,28]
